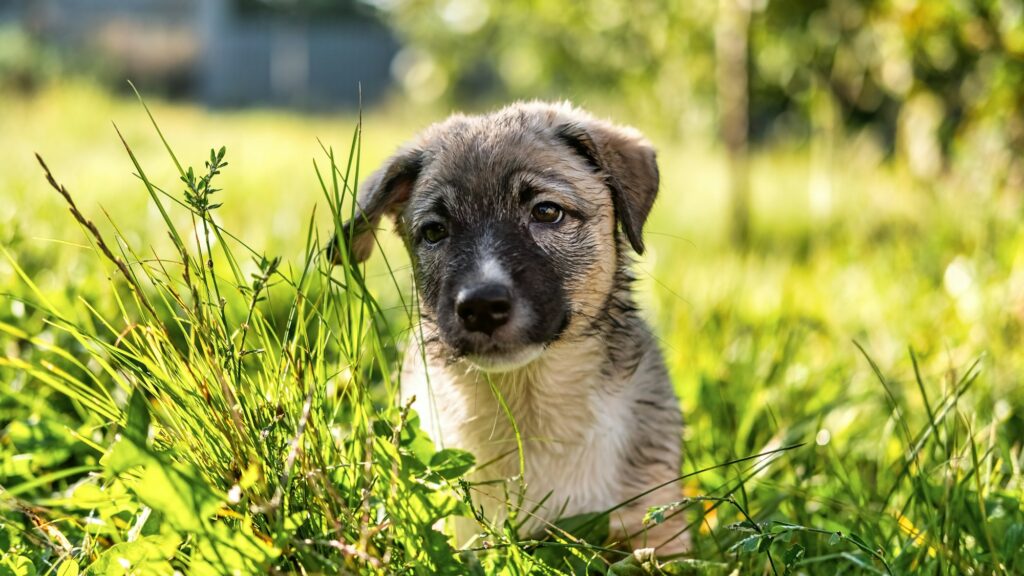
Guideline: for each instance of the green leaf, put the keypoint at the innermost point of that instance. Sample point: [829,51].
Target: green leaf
[68,567]
[749,544]
[187,504]
[177,491]
[232,551]
[450,463]
[639,563]
[628,566]
[859,542]
[656,514]
[105,501]
[137,426]
[415,440]
[1013,541]
[793,557]
[250,476]
[16,566]
[149,555]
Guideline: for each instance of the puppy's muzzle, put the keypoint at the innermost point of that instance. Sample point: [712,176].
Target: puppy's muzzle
[484,308]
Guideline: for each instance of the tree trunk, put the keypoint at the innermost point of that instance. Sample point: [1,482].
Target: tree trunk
[732,73]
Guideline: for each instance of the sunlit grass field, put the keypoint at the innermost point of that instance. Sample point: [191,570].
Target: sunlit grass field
[240,419]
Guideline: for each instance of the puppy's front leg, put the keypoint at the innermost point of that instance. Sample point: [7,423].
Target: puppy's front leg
[669,537]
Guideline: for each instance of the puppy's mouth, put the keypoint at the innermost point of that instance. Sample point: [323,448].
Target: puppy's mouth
[504,351]
[505,361]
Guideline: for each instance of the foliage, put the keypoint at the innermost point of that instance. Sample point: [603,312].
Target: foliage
[941,76]
[656,54]
[182,400]
[25,63]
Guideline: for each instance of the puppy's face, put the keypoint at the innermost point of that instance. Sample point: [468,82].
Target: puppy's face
[506,229]
[510,220]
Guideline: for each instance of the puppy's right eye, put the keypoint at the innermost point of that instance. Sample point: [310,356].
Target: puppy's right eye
[434,232]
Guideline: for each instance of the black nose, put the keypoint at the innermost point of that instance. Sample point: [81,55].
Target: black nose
[484,308]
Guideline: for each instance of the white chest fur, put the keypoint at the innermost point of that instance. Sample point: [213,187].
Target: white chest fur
[572,425]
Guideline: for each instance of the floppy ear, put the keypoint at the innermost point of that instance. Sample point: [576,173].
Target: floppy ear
[629,165]
[384,192]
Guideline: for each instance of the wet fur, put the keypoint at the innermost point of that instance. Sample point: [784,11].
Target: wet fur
[596,413]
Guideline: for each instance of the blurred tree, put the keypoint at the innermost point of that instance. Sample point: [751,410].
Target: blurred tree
[26,64]
[934,80]
[654,54]
[931,78]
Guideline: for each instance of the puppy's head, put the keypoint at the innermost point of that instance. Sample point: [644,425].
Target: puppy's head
[514,222]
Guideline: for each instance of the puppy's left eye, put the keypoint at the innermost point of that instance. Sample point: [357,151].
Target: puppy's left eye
[547,213]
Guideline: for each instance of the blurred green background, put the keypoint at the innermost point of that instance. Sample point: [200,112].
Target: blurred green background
[833,171]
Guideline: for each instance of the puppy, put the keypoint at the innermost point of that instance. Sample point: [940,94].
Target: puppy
[530,351]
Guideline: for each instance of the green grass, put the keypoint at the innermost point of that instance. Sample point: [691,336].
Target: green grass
[168,414]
